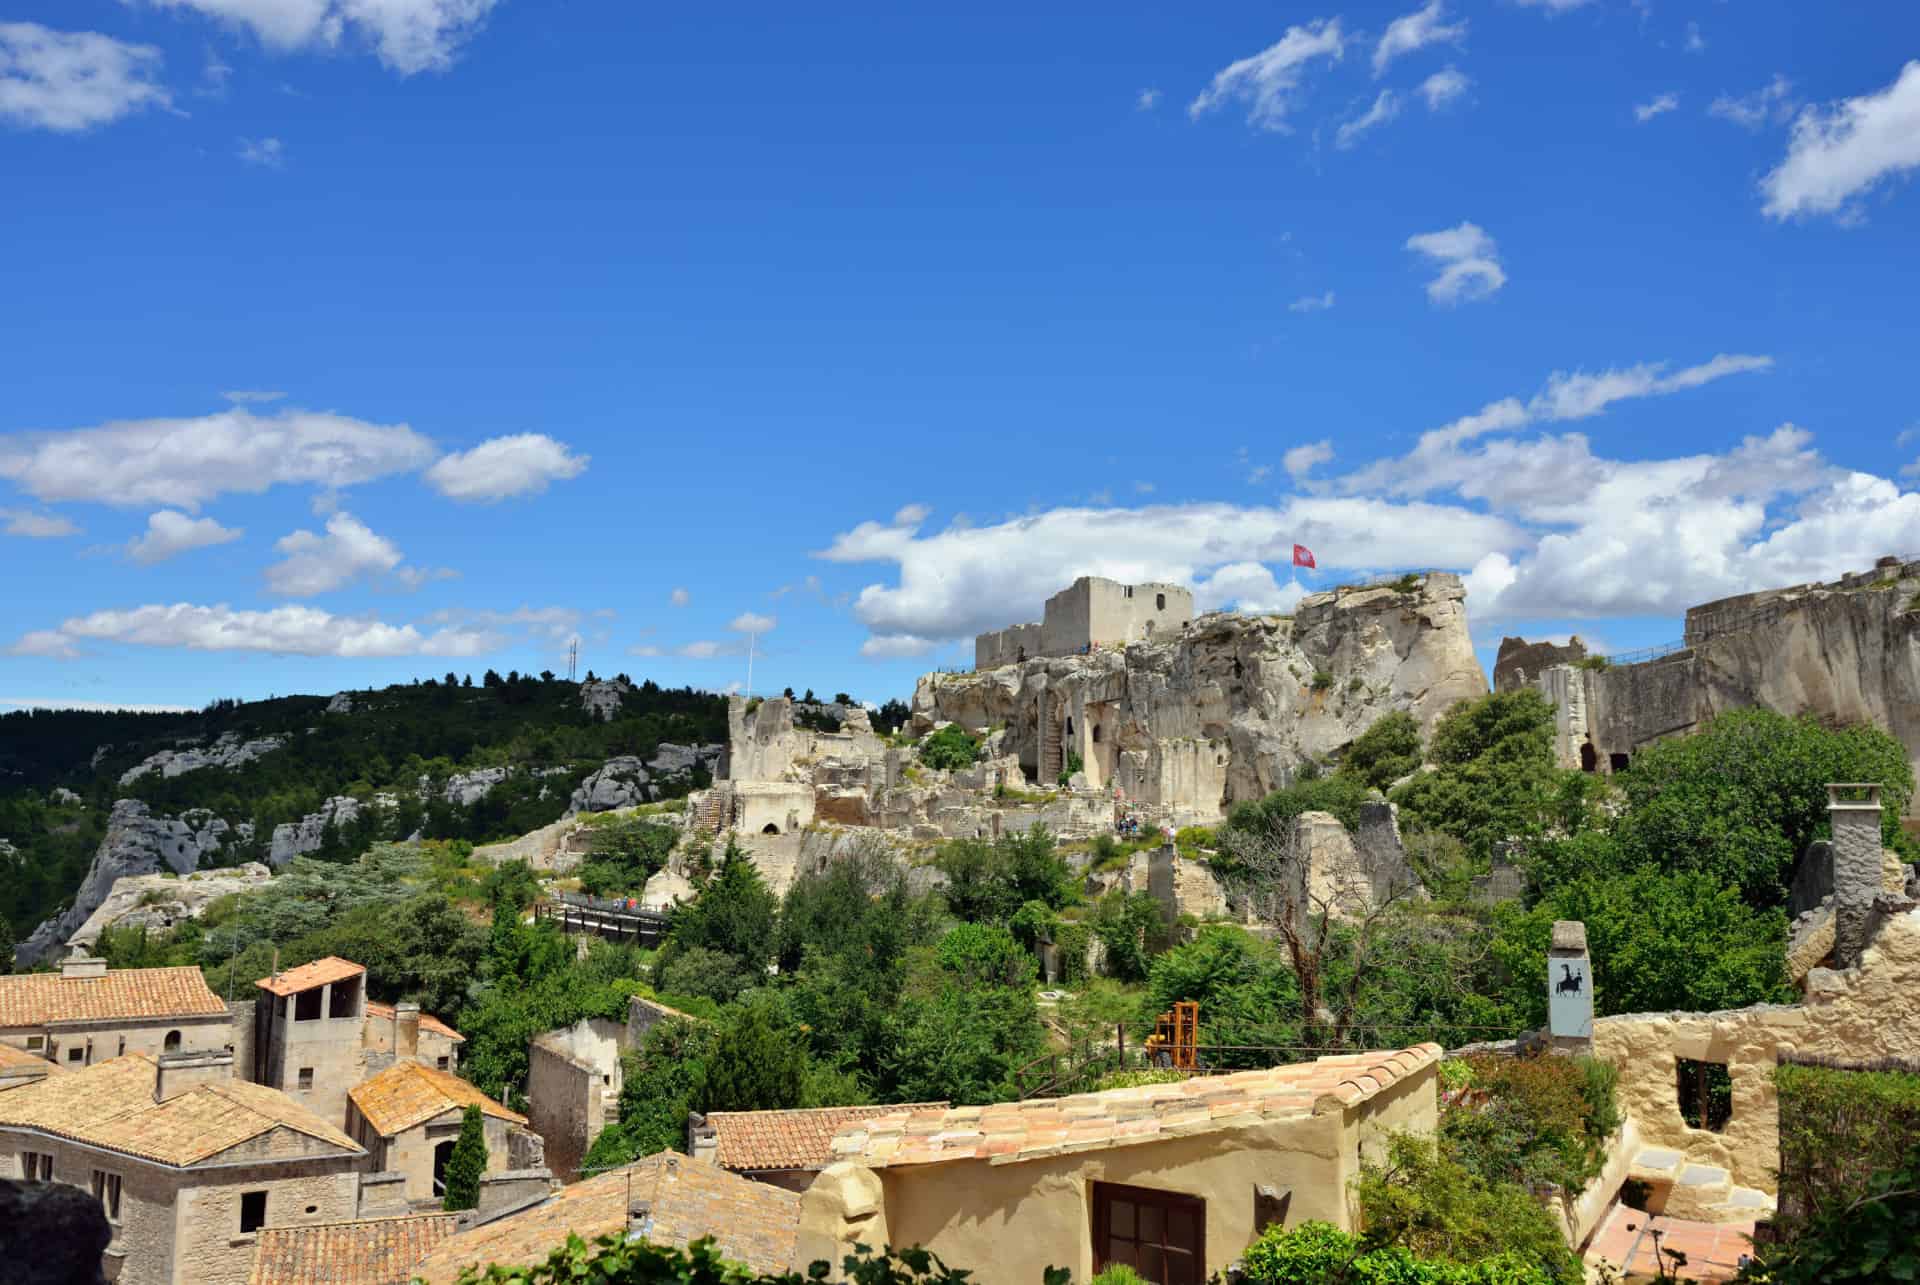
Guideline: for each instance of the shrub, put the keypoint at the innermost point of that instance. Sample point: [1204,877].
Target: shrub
[615,1260]
[1836,1128]
[1430,1204]
[1534,1121]
[1119,1274]
[1868,1238]
[1074,764]
[1385,752]
[1322,679]
[949,748]
[1317,1253]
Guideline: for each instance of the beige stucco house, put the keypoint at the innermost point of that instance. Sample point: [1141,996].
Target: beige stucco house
[1173,1179]
[188,1162]
[408,1117]
[88,1013]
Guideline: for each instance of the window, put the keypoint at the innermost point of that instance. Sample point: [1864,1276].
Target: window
[1160,1234]
[306,1077]
[1159,602]
[36,1042]
[36,1166]
[306,1005]
[253,1211]
[106,1190]
[77,1054]
[172,1043]
[442,1061]
[1706,1094]
[345,998]
[123,1047]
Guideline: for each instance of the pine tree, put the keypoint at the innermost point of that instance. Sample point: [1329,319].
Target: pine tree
[468,1163]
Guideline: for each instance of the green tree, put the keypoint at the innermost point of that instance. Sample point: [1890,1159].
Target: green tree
[661,1082]
[1385,752]
[712,974]
[759,1063]
[1870,1238]
[468,1163]
[949,748]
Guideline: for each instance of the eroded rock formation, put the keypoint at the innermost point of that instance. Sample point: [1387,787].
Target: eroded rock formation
[158,902]
[227,752]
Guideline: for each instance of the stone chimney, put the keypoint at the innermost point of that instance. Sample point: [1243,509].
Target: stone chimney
[406,1030]
[179,1073]
[1854,813]
[81,964]
[703,1141]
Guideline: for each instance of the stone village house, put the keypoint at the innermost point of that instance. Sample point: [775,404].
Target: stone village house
[408,1118]
[86,1013]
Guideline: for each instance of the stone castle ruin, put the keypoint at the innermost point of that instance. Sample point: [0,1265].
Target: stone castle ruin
[1848,651]
[1088,614]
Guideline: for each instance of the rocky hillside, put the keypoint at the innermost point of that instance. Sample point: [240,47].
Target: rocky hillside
[1230,709]
[86,799]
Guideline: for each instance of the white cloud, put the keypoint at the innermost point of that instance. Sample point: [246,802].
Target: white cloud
[36,526]
[240,396]
[1249,587]
[1844,151]
[265,152]
[1416,30]
[316,563]
[1385,107]
[748,622]
[408,35]
[1773,103]
[1696,43]
[1312,303]
[956,583]
[1146,100]
[679,597]
[1578,395]
[1268,81]
[644,649]
[502,467]
[1470,263]
[69,81]
[556,626]
[896,646]
[1302,460]
[1658,105]
[911,514]
[170,533]
[1553,6]
[1444,88]
[707,649]
[288,630]
[184,462]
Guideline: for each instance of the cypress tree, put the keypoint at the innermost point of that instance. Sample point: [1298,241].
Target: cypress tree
[468,1164]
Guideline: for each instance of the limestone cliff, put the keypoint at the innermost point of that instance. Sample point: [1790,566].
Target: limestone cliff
[1229,709]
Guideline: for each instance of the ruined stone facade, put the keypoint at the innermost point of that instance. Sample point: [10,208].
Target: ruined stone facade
[1090,613]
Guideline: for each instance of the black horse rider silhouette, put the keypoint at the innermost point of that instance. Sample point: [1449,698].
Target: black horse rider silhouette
[1569,983]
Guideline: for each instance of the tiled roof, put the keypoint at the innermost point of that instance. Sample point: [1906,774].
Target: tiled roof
[753,1222]
[110,1104]
[751,1141]
[1007,1132]
[39,999]
[373,1251]
[307,976]
[12,1058]
[407,1093]
[428,1022]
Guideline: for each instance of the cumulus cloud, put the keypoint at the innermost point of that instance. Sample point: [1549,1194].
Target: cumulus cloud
[1444,88]
[1146,100]
[1840,153]
[170,533]
[748,622]
[265,152]
[1752,111]
[1416,30]
[556,626]
[1553,6]
[182,463]
[408,36]
[70,81]
[896,646]
[36,526]
[1659,105]
[1469,264]
[1268,83]
[1302,460]
[679,597]
[1386,106]
[1310,303]
[288,630]
[1249,587]
[316,563]
[503,467]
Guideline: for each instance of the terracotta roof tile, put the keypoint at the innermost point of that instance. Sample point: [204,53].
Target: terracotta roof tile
[110,1104]
[755,1223]
[754,1141]
[372,1251]
[307,976]
[12,1058]
[428,1022]
[42,999]
[407,1093]
[1011,1131]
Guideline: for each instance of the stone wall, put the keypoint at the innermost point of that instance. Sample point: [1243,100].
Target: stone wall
[204,1216]
[571,1074]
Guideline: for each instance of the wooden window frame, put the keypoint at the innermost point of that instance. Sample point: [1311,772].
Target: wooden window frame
[36,1166]
[106,1190]
[1104,1193]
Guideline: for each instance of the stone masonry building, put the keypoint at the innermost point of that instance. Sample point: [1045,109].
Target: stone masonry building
[1091,612]
[88,1013]
[408,1118]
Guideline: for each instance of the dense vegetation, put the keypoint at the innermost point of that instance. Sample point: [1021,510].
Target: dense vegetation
[404,741]
[614,1260]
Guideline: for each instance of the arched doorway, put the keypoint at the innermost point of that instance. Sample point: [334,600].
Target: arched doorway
[769,828]
[172,1043]
[1589,759]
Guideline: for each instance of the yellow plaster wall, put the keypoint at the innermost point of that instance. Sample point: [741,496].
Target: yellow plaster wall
[1859,1015]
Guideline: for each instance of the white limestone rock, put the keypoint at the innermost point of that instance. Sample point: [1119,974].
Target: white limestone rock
[622,783]
[464,789]
[601,697]
[297,838]
[62,795]
[158,902]
[342,703]
[227,752]
[137,842]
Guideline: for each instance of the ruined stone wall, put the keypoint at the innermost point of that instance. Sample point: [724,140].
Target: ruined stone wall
[1006,646]
[570,1075]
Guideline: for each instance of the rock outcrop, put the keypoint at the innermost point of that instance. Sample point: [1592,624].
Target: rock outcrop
[137,842]
[342,703]
[1848,652]
[464,789]
[158,901]
[297,838]
[1228,710]
[601,697]
[1520,662]
[626,781]
[227,752]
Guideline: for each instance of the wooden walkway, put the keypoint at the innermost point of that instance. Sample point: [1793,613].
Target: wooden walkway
[612,918]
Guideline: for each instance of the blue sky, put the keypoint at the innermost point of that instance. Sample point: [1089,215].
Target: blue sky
[344,343]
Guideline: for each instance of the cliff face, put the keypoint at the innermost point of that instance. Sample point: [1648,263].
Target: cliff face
[1228,710]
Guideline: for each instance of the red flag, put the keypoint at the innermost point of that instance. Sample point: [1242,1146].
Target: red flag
[1303,556]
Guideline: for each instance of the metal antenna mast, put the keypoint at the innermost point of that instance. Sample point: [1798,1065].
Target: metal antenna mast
[573,657]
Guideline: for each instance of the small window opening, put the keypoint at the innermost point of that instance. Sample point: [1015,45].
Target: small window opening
[106,1190]
[313,1209]
[1096,733]
[253,1211]
[306,1005]
[1589,758]
[36,1042]
[1618,762]
[441,1061]
[345,1000]
[1706,1094]
[442,1156]
[1159,602]
[76,1054]
[172,1043]
[1069,727]
[770,828]
[306,1077]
